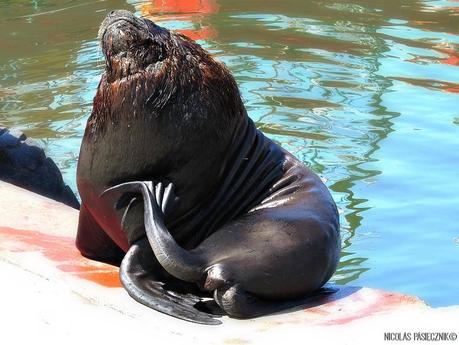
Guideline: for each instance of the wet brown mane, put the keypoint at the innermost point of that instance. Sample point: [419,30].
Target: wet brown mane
[187,87]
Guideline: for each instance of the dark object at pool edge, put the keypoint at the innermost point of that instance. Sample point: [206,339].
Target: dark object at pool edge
[24,164]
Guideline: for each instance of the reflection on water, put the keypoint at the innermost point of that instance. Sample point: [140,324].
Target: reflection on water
[185,16]
[365,92]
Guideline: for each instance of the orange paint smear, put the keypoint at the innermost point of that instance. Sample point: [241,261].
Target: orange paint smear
[385,302]
[60,250]
[343,311]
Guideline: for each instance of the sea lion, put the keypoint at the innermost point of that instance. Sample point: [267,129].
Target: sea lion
[24,163]
[180,188]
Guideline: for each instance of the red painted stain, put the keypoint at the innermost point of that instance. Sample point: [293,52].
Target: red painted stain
[336,309]
[385,301]
[359,305]
[62,252]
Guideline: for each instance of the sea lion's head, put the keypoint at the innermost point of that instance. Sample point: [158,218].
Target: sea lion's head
[156,73]
[132,45]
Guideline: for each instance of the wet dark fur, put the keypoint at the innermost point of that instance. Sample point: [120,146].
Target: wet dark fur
[265,228]
[188,83]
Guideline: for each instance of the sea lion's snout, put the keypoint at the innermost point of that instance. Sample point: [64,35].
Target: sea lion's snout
[129,43]
[119,30]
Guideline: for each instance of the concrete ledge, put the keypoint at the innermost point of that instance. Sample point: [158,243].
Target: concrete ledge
[50,292]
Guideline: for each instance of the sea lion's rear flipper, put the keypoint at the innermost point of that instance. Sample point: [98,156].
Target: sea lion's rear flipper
[238,303]
[145,281]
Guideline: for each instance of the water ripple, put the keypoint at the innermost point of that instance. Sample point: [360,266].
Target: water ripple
[364,92]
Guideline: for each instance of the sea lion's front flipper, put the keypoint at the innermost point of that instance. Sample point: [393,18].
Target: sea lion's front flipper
[178,262]
[141,273]
[141,276]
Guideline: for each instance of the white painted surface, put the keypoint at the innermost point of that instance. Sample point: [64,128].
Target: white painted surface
[45,300]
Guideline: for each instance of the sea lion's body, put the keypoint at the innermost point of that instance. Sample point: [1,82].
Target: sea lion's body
[259,221]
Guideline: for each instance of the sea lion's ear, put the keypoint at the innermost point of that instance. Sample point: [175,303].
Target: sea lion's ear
[145,281]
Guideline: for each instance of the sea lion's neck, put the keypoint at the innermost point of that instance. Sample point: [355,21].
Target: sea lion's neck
[253,163]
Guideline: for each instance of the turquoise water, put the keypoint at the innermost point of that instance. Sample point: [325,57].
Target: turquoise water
[366,93]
